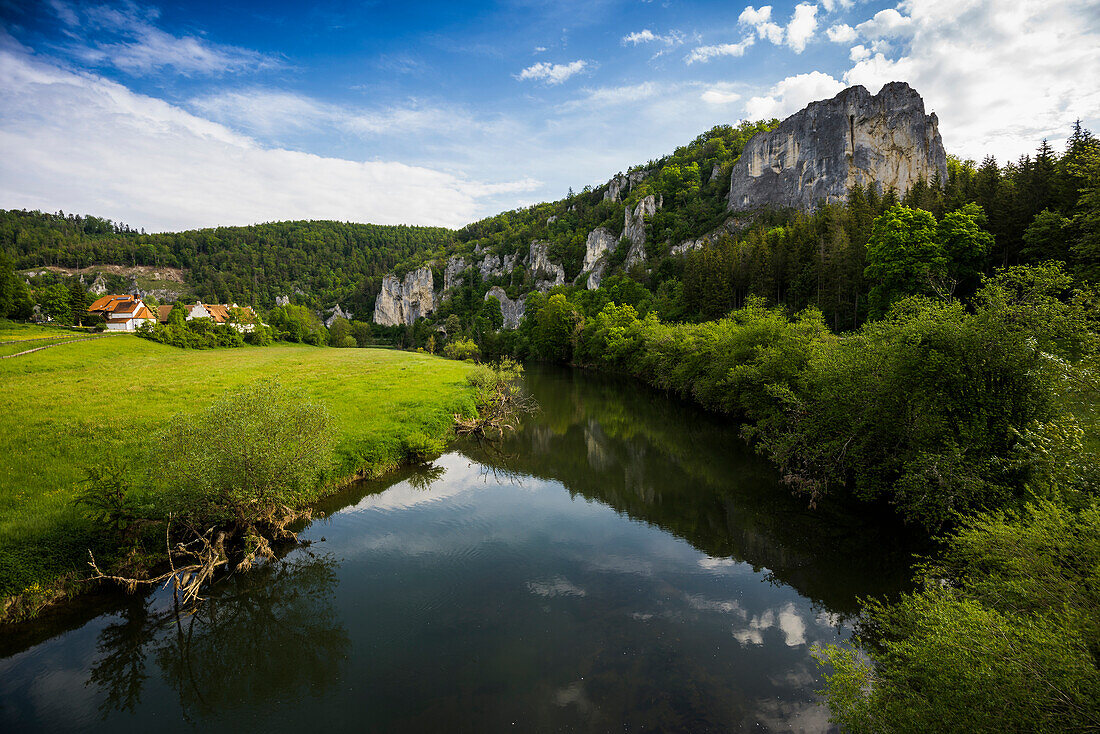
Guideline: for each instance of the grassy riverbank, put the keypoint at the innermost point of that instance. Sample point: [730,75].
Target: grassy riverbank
[76,405]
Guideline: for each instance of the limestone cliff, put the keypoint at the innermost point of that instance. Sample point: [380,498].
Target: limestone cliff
[511,311]
[455,266]
[337,313]
[600,242]
[546,274]
[884,140]
[404,302]
[634,228]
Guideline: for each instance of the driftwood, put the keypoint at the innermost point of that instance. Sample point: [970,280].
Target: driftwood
[194,561]
[500,411]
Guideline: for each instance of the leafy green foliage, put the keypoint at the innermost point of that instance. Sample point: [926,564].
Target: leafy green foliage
[1003,636]
[253,451]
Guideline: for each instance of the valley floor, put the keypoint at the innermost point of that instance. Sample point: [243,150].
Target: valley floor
[71,407]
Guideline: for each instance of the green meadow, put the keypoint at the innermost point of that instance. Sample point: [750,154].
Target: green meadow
[75,405]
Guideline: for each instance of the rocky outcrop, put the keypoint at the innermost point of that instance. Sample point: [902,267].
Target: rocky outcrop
[546,274]
[99,285]
[597,247]
[615,188]
[511,311]
[493,266]
[634,228]
[731,226]
[884,140]
[403,302]
[337,313]
[283,300]
[455,267]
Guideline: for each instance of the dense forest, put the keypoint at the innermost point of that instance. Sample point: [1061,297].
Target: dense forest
[321,262]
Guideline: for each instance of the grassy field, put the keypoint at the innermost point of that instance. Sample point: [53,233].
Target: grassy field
[66,408]
[15,331]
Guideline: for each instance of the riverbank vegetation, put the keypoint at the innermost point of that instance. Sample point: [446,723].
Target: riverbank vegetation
[93,411]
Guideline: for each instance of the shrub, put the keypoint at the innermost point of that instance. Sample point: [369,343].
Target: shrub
[255,450]
[461,349]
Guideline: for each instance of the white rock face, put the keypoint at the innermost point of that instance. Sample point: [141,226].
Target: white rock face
[511,311]
[714,172]
[688,246]
[818,154]
[283,300]
[615,188]
[404,302]
[99,285]
[493,266]
[599,244]
[634,228]
[337,313]
[545,273]
[456,264]
[550,220]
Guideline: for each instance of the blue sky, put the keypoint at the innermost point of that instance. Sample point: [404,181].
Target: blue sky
[176,115]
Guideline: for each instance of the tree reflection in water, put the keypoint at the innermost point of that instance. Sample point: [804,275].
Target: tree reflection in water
[270,635]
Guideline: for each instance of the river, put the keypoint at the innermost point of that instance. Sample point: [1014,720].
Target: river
[622,563]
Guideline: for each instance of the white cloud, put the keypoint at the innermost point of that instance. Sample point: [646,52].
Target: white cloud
[887,23]
[754,17]
[717,96]
[604,96]
[841,33]
[672,38]
[791,95]
[97,147]
[552,73]
[1000,76]
[859,53]
[706,53]
[540,49]
[126,38]
[642,36]
[760,21]
[801,27]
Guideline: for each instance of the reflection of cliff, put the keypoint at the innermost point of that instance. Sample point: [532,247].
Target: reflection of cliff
[267,636]
[688,472]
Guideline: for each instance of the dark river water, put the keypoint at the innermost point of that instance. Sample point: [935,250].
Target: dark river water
[623,563]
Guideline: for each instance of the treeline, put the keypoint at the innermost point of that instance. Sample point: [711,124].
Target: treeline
[323,262]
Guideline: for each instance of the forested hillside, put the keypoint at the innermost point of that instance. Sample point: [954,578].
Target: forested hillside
[326,261]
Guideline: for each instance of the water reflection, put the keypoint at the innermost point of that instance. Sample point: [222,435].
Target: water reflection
[689,473]
[267,636]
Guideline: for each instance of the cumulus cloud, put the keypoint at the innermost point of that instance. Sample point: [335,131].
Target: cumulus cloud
[885,24]
[552,73]
[959,53]
[802,26]
[706,53]
[127,38]
[791,95]
[672,38]
[760,20]
[841,33]
[99,147]
[859,53]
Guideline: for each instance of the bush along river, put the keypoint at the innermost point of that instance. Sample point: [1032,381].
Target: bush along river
[622,562]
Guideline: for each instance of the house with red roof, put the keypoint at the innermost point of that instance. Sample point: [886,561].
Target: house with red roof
[219,313]
[122,313]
